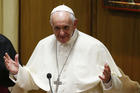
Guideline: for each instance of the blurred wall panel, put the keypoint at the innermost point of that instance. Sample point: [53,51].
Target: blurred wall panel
[120,32]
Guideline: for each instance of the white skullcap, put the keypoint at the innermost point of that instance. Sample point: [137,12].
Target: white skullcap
[62,8]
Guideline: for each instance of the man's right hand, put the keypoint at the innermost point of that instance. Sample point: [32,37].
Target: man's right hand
[11,65]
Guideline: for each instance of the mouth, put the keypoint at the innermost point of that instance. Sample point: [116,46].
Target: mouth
[63,39]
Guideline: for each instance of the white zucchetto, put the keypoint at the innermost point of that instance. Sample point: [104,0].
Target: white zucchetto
[62,8]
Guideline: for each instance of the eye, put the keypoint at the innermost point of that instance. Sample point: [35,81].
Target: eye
[66,27]
[56,28]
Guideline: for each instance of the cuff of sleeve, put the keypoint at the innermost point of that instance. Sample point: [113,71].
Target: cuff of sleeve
[107,86]
[14,77]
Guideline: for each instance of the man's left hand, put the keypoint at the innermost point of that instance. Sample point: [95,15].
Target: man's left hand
[106,74]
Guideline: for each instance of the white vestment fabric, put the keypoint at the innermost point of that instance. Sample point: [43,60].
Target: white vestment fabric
[80,74]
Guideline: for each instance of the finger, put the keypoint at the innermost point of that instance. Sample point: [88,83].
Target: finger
[107,67]
[7,56]
[107,70]
[105,74]
[16,59]
[6,63]
[102,78]
[5,60]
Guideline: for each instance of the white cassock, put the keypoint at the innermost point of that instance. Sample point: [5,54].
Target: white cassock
[80,62]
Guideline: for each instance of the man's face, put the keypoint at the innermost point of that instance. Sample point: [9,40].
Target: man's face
[62,26]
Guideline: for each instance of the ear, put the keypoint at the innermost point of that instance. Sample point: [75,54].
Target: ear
[75,23]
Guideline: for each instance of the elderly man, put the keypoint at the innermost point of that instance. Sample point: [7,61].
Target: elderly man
[77,62]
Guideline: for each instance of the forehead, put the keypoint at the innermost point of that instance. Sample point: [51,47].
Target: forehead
[61,17]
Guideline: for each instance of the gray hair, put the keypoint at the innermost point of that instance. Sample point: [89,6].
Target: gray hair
[72,17]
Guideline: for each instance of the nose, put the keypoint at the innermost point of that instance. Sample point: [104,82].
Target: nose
[62,32]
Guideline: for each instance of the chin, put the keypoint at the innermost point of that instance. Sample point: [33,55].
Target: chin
[63,41]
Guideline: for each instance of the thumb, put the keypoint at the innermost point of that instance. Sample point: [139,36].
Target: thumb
[101,77]
[16,59]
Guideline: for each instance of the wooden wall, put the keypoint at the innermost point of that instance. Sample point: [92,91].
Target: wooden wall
[118,30]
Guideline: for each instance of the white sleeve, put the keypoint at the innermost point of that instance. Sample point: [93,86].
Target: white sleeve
[116,85]
[24,80]
[108,85]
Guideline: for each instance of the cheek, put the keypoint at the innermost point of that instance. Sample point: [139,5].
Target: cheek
[56,33]
[71,33]
[68,34]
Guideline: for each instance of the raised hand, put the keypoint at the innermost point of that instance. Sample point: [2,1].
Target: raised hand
[106,74]
[11,65]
